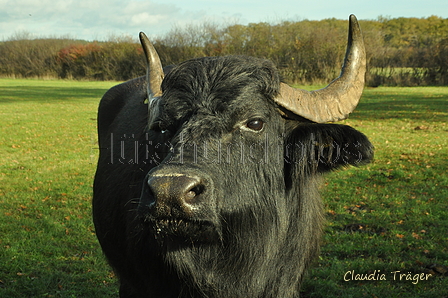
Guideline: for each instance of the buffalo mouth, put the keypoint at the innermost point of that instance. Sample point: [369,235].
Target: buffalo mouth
[183,230]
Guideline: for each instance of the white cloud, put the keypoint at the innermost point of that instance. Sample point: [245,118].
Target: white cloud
[85,18]
[145,19]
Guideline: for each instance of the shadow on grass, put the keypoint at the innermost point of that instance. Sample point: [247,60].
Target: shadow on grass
[375,103]
[42,93]
[413,105]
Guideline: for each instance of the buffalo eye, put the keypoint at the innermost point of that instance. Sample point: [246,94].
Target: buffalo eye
[256,124]
[159,127]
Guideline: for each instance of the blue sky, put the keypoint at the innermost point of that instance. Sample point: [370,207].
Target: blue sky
[101,19]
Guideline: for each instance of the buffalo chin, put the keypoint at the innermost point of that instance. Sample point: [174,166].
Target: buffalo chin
[183,232]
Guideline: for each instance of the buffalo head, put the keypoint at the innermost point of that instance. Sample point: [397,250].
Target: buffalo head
[207,180]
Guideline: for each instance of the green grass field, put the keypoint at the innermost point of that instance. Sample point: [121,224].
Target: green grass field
[389,216]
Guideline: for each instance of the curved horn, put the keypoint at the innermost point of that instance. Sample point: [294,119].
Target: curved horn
[341,96]
[154,71]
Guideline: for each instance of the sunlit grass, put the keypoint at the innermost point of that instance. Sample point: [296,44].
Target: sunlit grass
[392,214]
[48,146]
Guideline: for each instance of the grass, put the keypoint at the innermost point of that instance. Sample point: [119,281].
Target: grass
[47,243]
[389,216]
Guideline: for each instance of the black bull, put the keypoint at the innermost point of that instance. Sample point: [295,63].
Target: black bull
[213,191]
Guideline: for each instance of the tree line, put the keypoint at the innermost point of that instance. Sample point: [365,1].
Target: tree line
[400,51]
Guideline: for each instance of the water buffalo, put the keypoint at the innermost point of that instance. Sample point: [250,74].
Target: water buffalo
[208,174]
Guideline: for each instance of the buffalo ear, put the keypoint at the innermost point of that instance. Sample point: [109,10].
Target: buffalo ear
[324,147]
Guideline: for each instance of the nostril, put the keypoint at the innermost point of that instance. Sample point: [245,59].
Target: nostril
[193,191]
[198,189]
[189,196]
[147,199]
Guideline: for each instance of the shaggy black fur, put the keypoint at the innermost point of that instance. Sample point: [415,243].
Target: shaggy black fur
[254,224]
